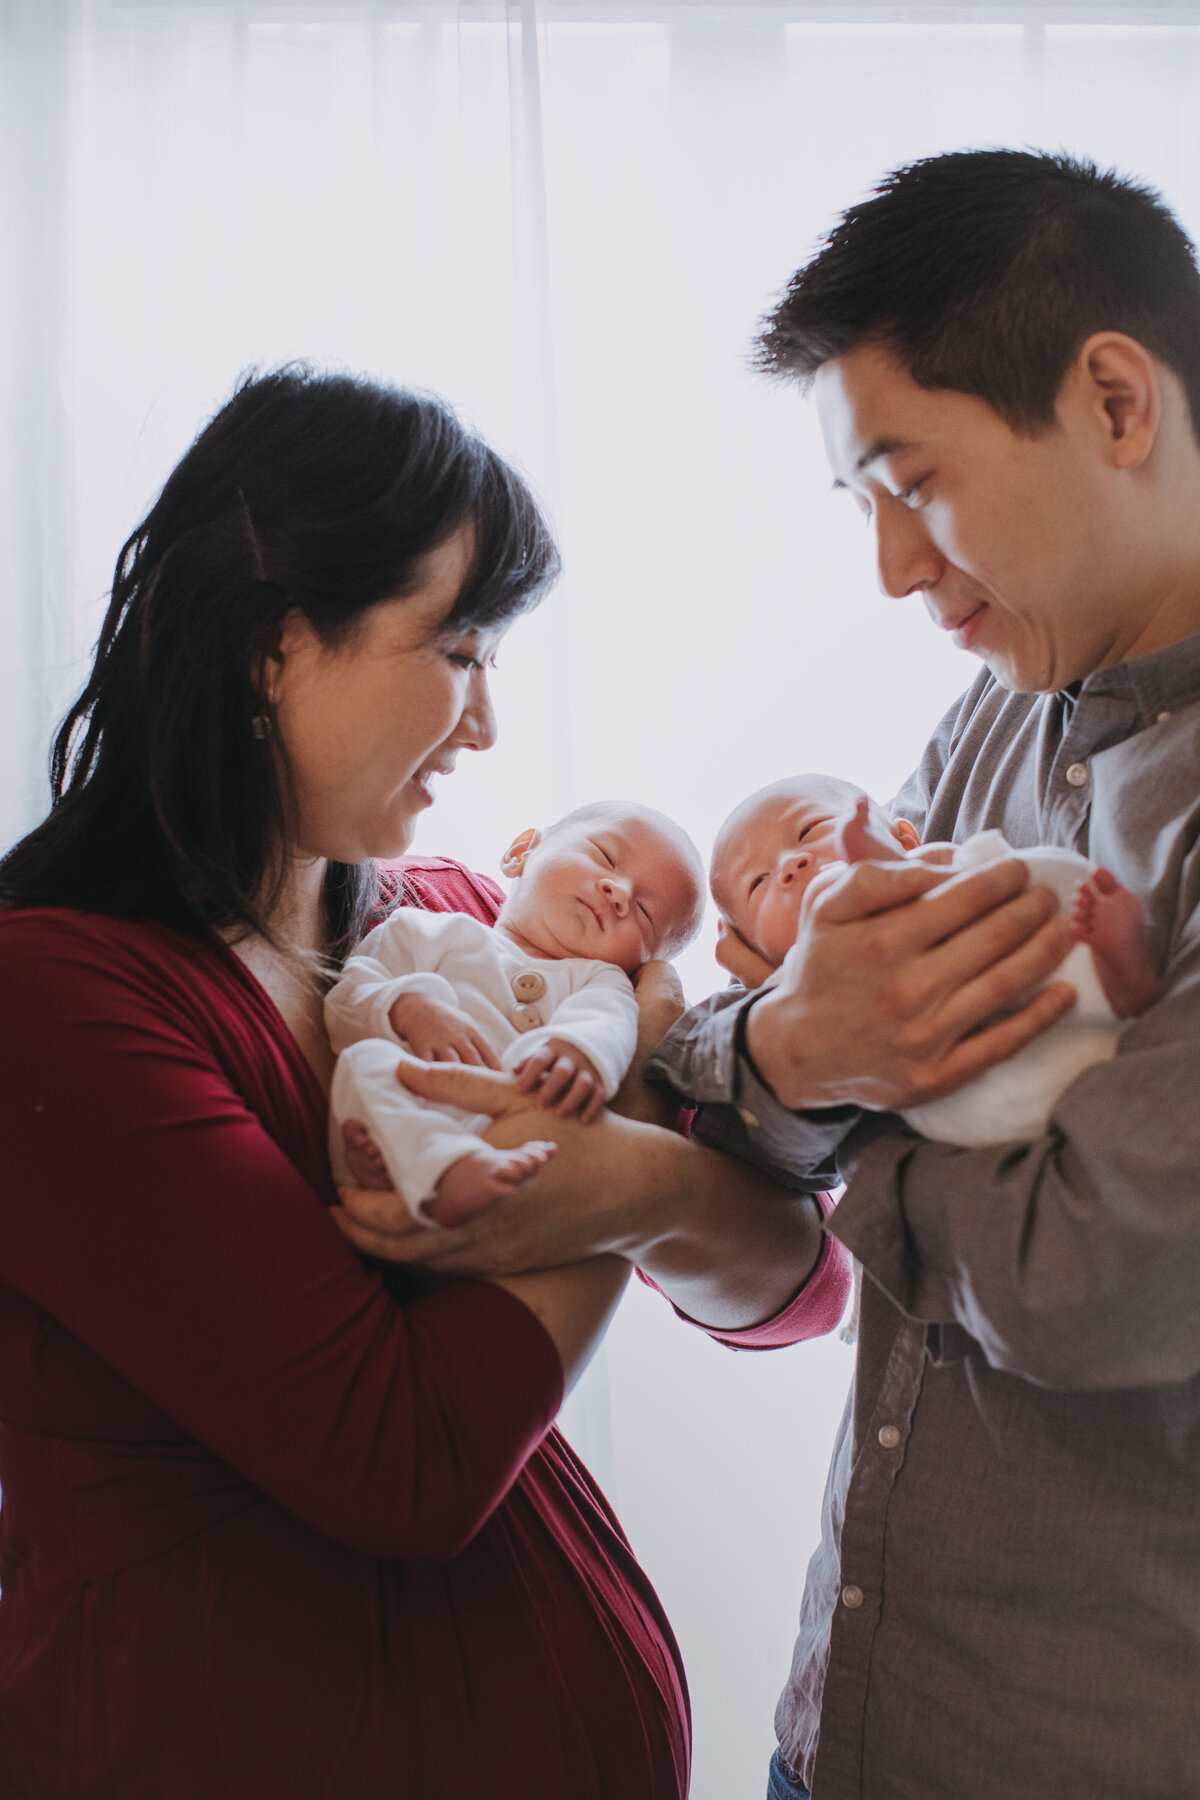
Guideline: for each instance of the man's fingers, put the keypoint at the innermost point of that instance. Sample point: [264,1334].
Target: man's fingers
[1002,1040]
[984,947]
[487,1056]
[999,986]
[861,890]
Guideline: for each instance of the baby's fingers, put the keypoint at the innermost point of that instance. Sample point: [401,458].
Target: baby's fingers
[487,1056]
[557,1080]
[529,1074]
[577,1096]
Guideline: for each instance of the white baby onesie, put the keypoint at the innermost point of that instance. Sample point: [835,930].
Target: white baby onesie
[1014,1100]
[516,1001]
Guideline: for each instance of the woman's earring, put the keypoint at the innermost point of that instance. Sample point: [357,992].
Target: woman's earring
[260,725]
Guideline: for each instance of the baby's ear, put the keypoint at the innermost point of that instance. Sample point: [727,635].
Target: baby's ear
[512,863]
[908,834]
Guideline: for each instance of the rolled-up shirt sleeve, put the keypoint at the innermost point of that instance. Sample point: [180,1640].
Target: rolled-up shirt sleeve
[1073,1260]
[703,1059]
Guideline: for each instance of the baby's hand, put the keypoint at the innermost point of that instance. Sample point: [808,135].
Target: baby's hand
[564,1079]
[437,1032]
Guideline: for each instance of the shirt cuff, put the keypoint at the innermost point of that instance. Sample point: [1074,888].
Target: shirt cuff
[811,1313]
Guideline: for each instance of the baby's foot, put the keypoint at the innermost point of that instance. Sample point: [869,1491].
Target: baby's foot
[1110,921]
[367,1167]
[858,841]
[482,1176]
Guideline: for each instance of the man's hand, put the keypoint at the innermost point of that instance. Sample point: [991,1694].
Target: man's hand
[734,955]
[885,999]
[437,1032]
[563,1080]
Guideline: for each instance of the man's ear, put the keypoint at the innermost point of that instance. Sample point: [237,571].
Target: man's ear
[908,834]
[1120,385]
[512,863]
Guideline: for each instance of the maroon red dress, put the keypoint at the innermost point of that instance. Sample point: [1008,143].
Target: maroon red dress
[265,1531]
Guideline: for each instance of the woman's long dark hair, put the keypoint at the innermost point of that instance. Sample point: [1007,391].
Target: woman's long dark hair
[309,491]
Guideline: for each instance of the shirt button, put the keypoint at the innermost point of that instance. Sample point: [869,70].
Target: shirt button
[889,1436]
[747,1117]
[525,1018]
[529,985]
[1077,774]
[719,1073]
[852,1598]
[1162,718]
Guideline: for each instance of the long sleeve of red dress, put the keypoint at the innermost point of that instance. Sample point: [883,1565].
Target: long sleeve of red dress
[266,1531]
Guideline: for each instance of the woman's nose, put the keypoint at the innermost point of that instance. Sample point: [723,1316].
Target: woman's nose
[906,559]
[477,727]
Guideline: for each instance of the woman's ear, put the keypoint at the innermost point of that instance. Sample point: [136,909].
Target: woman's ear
[512,863]
[908,834]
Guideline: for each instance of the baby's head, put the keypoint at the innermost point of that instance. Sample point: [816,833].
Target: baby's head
[614,882]
[771,846]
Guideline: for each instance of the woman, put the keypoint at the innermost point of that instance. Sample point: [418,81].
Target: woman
[269,1528]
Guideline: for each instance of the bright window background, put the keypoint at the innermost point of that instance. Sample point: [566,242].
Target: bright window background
[567,219]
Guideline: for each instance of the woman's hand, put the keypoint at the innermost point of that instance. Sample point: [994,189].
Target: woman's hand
[552,1220]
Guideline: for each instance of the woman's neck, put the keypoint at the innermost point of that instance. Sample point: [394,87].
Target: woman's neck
[287,968]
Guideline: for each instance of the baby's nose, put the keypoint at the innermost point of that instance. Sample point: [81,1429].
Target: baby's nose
[617,892]
[793,866]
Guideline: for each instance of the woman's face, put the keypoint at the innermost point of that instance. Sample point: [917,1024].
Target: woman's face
[365,726]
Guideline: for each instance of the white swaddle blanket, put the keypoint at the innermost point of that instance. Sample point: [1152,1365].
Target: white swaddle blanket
[1014,1100]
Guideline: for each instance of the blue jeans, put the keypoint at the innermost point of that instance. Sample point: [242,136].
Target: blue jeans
[783,1783]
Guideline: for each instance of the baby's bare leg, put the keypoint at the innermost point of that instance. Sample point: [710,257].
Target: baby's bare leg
[367,1167]
[1110,921]
[483,1176]
[858,842]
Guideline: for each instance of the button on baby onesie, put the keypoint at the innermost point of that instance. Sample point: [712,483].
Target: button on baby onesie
[528,985]
[525,1018]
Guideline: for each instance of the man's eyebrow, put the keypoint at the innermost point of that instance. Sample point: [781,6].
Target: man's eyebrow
[880,446]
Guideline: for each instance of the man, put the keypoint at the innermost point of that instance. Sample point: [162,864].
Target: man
[1004,350]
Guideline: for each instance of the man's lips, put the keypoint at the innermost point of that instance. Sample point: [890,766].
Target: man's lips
[964,625]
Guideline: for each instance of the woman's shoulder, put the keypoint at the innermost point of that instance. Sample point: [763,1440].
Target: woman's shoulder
[439,884]
[52,950]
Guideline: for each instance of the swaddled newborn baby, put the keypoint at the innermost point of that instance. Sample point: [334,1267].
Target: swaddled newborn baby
[774,843]
[546,993]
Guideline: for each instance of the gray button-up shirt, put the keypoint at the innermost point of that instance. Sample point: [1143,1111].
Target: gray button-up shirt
[1006,1600]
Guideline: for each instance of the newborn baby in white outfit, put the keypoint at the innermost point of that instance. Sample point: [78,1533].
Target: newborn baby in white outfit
[546,994]
[772,845]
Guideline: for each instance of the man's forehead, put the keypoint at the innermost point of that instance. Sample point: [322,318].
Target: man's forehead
[869,407]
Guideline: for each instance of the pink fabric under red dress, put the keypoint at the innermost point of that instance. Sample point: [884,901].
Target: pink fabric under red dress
[269,1529]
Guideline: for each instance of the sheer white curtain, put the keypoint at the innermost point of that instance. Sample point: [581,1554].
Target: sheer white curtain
[567,218]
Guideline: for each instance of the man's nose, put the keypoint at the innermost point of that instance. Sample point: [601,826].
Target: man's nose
[906,559]
[797,863]
[477,726]
[616,891]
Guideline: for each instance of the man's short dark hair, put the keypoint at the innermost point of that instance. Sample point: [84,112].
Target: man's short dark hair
[986,270]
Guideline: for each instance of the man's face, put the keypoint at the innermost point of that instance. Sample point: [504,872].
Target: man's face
[1005,536]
